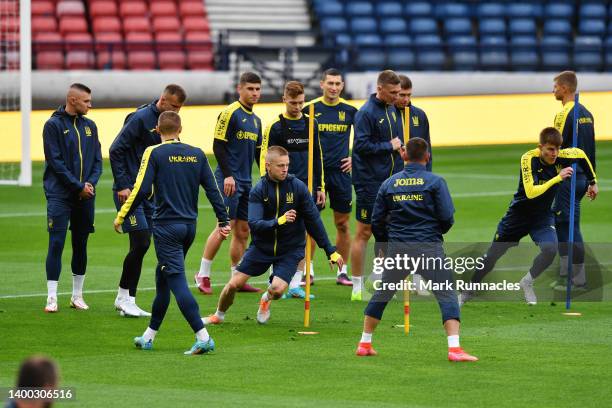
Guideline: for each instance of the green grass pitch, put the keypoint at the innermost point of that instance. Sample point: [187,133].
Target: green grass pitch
[530,356]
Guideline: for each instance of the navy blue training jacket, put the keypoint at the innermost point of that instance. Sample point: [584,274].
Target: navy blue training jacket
[413,205]
[374,159]
[72,154]
[138,133]
[176,171]
[270,233]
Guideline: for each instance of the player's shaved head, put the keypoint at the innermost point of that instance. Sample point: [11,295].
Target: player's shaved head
[169,123]
[387,77]
[331,72]
[417,150]
[274,152]
[78,99]
[172,98]
[550,135]
[568,79]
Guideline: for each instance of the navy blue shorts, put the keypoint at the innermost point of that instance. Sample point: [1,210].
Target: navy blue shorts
[339,187]
[238,204]
[366,196]
[514,226]
[79,214]
[139,219]
[256,263]
[172,241]
[561,206]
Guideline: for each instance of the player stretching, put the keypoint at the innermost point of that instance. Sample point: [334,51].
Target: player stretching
[73,165]
[126,152]
[542,169]
[565,90]
[290,131]
[378,133]
[237,140]
[175,171]
[413,210]
[281,210]
[335,118]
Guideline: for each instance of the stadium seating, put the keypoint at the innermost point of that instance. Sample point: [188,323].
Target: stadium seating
[122,34]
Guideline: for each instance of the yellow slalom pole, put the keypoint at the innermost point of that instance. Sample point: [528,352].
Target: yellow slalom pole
[308,243]
[406,288]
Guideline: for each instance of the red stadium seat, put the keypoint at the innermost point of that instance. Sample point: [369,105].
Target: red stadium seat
[51,41]
[138,41]
[195,24]
[139,24]
[70,8]
[50,60]
[198,41]
[72,24]
[202,60]
[9,7]
[191,8]
[79,60]
[141,60]
[106,25]
[111,60]
[78,42]
[43,8]
[39,24]
[101,8]
[171,60]
[163,8]
[106,41]
[168,41]
[132,8]
[166,24]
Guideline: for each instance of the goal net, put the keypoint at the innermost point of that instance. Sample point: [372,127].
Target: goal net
[15,92]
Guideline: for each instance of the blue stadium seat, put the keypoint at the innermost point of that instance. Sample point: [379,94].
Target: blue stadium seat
[558,10]
[364,25]
[524,10]
[522,26]
[463,52]
[608,54]
[398,40]
[343,40]
[423,26]
[367,40]
[555,53]
[371,59]
[329,9]
[418,9]
[452,10]
[592,27]
[491,10]
[523,53]
[389,9]
[587,53]
[333,25]
[558,28]
[359,8]
[393,25]
[592,10]
[457,26]
[494,53]
[492,26]
[400,58]
[430,55]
